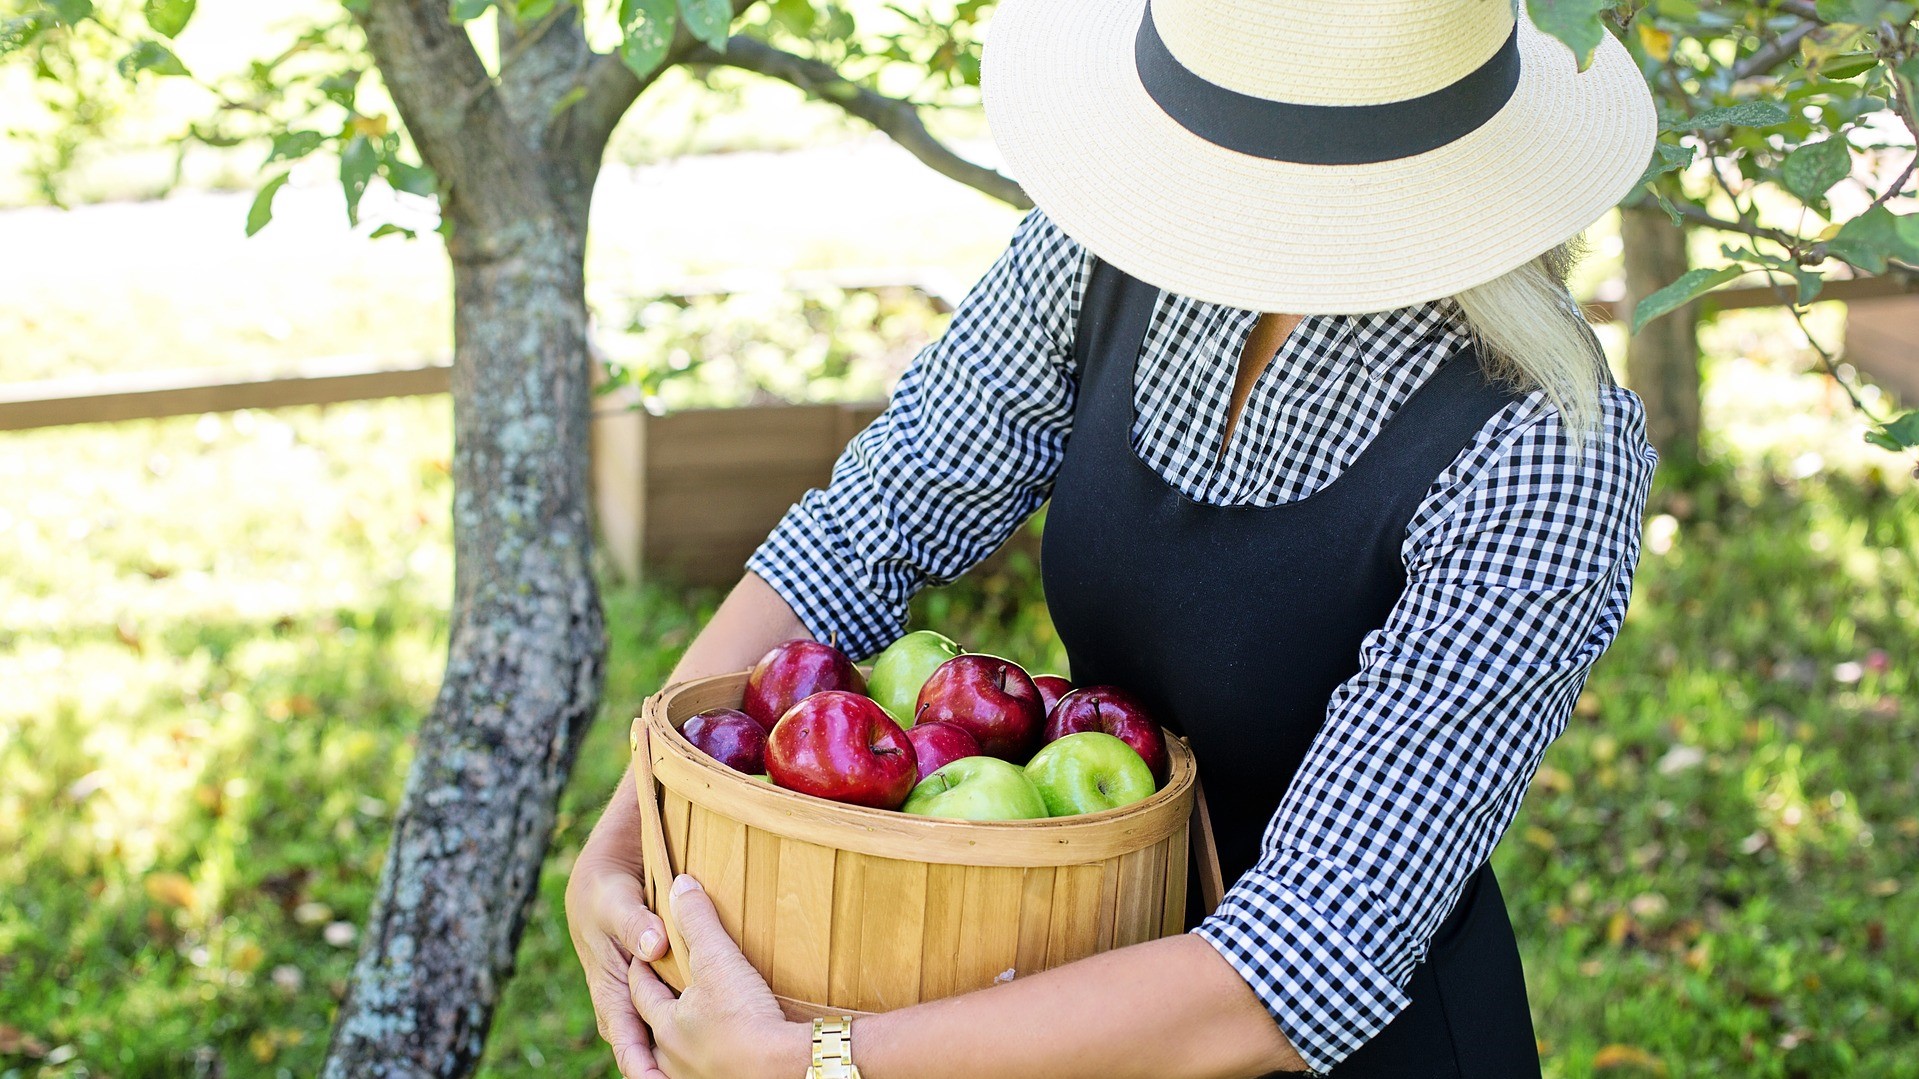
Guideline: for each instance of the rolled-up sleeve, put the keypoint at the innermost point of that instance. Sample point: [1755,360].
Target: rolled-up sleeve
[1519,568]
[966,449]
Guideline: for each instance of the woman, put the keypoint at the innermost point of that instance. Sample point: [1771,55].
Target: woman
[1349,496]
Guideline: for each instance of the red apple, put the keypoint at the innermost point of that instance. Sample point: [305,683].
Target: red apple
[729,736]
[935,744]
[791,672]
[991,697]
[1113,711]
[840,745]
[1051,688]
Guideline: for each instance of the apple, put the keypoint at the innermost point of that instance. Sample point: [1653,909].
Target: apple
[792,671]
[937,744]
[729,736]
[1051,688]
[902,668]
[989,696]
[977,788]
[841,745]
[1116,712]
[1087,772]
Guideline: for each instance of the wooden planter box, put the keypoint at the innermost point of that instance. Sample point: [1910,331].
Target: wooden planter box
[693,493]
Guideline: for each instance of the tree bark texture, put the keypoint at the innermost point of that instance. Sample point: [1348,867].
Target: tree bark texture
[527,640]
[1662,359]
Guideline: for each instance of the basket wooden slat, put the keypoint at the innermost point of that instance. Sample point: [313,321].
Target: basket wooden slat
[848,909]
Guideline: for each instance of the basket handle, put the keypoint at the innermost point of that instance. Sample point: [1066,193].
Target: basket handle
[655,868]
[1212,883]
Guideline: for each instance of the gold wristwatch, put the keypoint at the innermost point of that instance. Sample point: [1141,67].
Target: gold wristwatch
[833,1049]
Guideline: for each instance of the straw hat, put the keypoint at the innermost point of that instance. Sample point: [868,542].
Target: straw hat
[1311,156]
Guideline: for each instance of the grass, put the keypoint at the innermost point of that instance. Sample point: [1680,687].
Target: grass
[221,632]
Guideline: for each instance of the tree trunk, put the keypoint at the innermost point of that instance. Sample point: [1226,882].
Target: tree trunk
[523,670]
[1662,359]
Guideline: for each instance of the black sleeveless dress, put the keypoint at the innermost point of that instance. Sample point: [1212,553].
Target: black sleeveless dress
[1236,623]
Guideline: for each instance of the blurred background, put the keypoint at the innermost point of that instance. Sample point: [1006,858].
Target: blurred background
[219,629]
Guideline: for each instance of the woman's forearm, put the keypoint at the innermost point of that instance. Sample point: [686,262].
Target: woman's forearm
[1166,1009]
[752,619]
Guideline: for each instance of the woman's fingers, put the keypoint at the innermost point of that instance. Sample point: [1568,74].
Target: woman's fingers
[707,943]
[651,997]
[623,910]
[620,1026]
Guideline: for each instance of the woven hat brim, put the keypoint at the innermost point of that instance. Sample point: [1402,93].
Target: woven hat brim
[1093,150]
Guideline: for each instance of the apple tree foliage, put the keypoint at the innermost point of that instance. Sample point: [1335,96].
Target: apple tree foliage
[1788,125]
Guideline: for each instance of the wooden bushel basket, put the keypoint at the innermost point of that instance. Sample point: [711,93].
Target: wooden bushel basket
[847,909]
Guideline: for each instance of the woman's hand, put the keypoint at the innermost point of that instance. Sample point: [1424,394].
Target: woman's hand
[726,1024]
[612,932]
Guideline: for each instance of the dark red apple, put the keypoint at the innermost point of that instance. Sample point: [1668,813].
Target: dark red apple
[936,744]
[840,745]
[1051,688]
[792,671]
[729,736]
[991,697]
[1116,712]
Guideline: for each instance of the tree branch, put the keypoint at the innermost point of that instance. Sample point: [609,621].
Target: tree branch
[1773,53]
[1700,216]
[610,88]
[900,120]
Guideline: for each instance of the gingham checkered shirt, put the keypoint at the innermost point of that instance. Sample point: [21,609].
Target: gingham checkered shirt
[1519,564]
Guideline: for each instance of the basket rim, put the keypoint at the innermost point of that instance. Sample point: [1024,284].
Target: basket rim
[1044,841]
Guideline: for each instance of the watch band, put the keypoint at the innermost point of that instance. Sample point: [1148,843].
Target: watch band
[833,1049]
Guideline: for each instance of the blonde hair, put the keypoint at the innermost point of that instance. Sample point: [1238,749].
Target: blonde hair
[1533,335]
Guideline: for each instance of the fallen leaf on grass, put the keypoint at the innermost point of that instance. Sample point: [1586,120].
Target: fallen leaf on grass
[1627,1056]
[172,889]
[17,1042]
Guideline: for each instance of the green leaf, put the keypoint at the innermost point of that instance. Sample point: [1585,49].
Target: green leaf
[646,29]
[1849,64]
[68,12]
[1744,114]
[342,87]
[708,20]
[17,34]
[1897,434]
[151,56]
[798,16]
[1690,286]
[1858,12]
[1810,282]
[1574,22]
[1811,170]
[1868,240]
[390,229]
[293,145]
[358,162]
[461,11]
[529,10]
[410,178]
[169,17]
[1665,158]
[261,211]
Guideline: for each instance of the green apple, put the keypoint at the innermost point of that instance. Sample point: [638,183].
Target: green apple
[977,788]
[903,667]
[1088,772]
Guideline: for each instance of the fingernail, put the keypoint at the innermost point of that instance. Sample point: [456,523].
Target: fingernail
[684,883]
[649,942]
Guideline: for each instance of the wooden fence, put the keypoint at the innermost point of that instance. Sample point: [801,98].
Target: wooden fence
[694,492]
